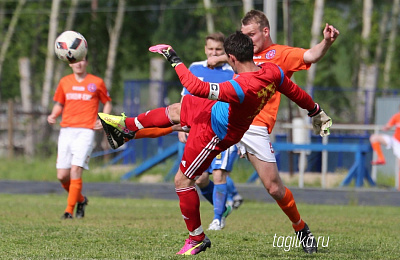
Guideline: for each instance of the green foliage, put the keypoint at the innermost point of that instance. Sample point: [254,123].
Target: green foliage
[154,229]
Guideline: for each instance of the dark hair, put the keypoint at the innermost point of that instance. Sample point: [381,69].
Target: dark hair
[217,36]
[255,16]
[240,46]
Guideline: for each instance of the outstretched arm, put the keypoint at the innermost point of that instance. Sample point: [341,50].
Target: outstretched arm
[320,120]
[318,51]
[215,91]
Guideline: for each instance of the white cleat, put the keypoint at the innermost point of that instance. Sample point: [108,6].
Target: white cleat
[227,212]
[215,225]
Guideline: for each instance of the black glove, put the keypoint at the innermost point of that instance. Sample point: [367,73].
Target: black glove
[168,53]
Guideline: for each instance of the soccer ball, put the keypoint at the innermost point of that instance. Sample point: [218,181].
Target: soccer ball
[71,47]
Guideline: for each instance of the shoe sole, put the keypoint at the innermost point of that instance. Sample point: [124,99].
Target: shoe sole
[114,139]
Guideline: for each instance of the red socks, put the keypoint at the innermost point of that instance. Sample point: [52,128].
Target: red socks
[189,203]
[153,118]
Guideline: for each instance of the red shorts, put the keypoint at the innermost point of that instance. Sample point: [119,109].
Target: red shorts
[202,144]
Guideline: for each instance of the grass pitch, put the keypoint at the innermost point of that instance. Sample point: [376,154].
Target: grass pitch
[30,228]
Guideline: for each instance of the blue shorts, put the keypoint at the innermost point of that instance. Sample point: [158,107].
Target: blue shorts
[224,160]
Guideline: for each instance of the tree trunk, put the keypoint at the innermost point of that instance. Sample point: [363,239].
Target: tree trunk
[209,17]
[59,71]
[391,45]
[49,68]
[248,5]
[113,46]
[271,9]
[9,34]
[315,35]
[287,24]
[366,68]
[156,77]
[27,106]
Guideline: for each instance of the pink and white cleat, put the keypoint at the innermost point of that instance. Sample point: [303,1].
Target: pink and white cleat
[193,247]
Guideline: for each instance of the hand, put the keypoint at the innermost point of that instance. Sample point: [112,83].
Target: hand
[168,53]
[98,125]
[330,33]
[182,136]
[321,122]
[51,119]
[214,61]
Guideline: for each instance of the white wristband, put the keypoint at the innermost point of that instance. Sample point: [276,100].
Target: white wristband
[214,91]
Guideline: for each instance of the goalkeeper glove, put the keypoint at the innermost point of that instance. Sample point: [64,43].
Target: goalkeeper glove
[168,53]
[321,122]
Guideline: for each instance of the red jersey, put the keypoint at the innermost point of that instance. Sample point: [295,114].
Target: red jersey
[290,59]
[242,98]
[80,100]
[395,121]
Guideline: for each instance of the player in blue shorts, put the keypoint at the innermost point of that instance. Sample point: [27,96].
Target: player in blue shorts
[223,187]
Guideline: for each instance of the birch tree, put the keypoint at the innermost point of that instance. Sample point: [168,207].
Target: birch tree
[49,67]
[68,26]
[27,106]
[390,54]
[209,17]
[315,36]
[366,69]
[114,40]
[248,5]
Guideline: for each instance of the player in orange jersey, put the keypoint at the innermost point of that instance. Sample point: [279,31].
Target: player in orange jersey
[255,143]
[387,140]
[77,98]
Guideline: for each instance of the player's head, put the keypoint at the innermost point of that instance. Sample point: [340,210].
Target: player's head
[214,45]
[240,46]
[80,67]
[256,25]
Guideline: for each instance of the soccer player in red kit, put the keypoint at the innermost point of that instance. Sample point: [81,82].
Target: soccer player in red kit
[215,124]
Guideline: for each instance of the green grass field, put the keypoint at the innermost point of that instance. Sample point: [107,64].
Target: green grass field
[30,228]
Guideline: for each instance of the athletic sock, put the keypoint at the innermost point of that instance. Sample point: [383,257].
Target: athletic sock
[152,132]
[153,118]
[208,191]
[189,203]
[74,195]
[65,185]
[299,226]
[219,198]
[288,205]
[232,191]
[376,146]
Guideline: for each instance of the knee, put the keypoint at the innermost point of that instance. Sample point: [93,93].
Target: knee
[219,176]
[203,180]
[174,112]
[181,181]
[276,190]
[63,178]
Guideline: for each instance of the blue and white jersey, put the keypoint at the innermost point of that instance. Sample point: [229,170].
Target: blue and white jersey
[216,75]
